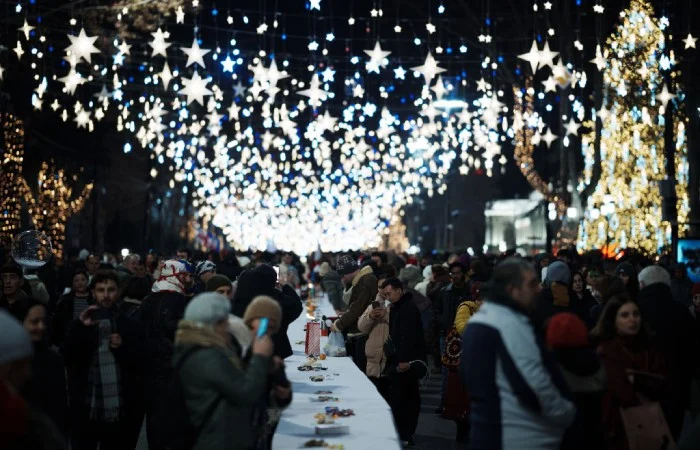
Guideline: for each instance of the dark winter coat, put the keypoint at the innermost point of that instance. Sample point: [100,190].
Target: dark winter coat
[79,349]
[364,290]
[406,331]
[546,307]
[46,392]
[213,375]
[445,308]
[63,316]
[292,307]
[160,314]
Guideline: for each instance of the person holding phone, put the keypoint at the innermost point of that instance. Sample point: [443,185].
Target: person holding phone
[221,391]
[103,353]
[374,322]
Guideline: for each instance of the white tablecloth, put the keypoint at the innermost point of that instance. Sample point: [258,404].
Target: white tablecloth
[372,426]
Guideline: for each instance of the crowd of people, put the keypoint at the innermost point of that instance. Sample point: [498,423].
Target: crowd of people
[542,352]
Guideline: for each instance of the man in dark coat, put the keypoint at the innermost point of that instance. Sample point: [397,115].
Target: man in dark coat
[104,351]
[557,297]
[406,335]
[673,328]
[160,314]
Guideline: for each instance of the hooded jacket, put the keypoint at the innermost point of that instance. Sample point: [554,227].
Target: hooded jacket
[519,398]
[214,374]
[364,290]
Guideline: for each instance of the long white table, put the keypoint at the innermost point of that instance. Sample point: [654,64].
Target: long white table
[372,426]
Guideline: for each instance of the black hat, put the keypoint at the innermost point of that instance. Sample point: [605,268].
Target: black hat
[625,268]
[346,265]
[12,268]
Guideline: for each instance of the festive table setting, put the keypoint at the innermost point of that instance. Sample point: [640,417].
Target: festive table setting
[335,405]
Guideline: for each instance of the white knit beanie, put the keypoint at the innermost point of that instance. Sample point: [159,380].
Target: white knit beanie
[208,308]
[15,343]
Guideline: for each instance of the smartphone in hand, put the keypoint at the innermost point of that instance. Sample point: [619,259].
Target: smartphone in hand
[262,327]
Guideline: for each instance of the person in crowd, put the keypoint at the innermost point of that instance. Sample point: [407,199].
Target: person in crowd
[92,265]
[567,338]
[220,284]
[519,399]
[557,296]
[246,289]
[128,268]
[456,400]
[361,290]
[374,323]
[632,362]
[628,275]
[37,288]
[184,254]
[681,286]
[160,313]
[422,287]
[439,280]
[46,391]
[220,393]
[380,259]
[333,286]
[673,329]
[104,349]
[542,261]
[581,294]
[604,288]
[14,298]
[410,276]
[134,294]
[289,275]
[278,393]
[203,271]
[566,256]
[594,272]
[409,350]
[445,310]
[21,426]
[70,306]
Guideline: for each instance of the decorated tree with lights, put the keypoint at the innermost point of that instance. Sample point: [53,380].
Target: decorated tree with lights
[625,209]
[54,204]
[10,174]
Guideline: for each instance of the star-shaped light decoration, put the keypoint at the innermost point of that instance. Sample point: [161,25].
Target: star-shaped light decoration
[158,43]
[690,41]
[195,54]
[82,118]
[572,128]
[547,56]
[550,84]
[561,74]
[549,137]
[429,69]
[227,64]
[82,46]
[72,81]
[315,4]
[180,15]
[315,93]
[603,113]
[233,111]
[326,121]
[102,95]
[26,28]
[377,58]
[482,85]
[665,96]
[124,48]
[165,75]
[533,57]
[19,50]
[37,103]
[599,59]
[430,27]
[55,105]
[273,75]
[238,90]
[195,89]
[328,75]
[439,88]
[400,73]
[313,46]
[358,91]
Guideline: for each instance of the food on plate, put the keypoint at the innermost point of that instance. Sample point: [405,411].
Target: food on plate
[320,443]
[322,357]
[317,378]
[323,419]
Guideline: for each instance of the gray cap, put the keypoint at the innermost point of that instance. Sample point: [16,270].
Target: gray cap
[558,272]
[208,308]
[15,343]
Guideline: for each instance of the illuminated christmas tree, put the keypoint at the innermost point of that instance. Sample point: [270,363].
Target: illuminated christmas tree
[53,205]
[625,210]
[10,174]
